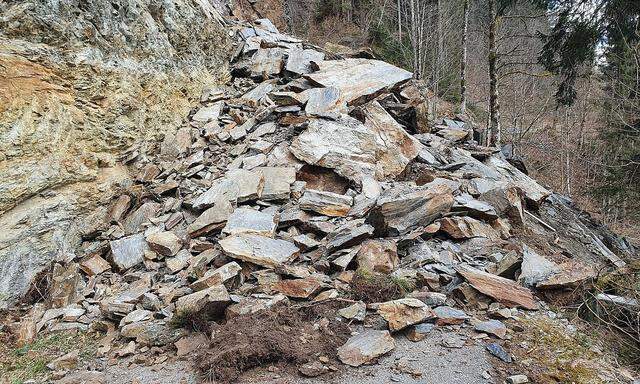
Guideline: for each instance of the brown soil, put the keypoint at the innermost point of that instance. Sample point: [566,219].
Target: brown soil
[283,335]
[375,288]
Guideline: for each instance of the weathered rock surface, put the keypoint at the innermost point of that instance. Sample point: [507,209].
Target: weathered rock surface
[326,203]
[250,221]
[366,347]
[505,291]
[128,251]
[402,313]
[259,250]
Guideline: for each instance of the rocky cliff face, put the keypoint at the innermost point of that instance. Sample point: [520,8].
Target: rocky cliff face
[82,84]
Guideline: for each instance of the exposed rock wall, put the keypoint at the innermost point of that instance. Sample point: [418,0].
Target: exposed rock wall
[81,82]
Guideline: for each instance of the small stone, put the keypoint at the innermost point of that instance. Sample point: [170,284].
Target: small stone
[137,316]
[453,341]
[419,332]
[215,299]
[499,352]
[217,276]
[164,243]
[432,299]
[348,235]
[449,316]
[179,261]
[65,362]
[517,379]
[493,327]
[305,242]
[211,219]
[313,369]
[94,265]
[378,256]
[365,347]
[252,162]
[277,182]
[206,114]
[356,311]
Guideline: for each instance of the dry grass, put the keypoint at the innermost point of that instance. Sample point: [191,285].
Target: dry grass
[550,354]
[19,364]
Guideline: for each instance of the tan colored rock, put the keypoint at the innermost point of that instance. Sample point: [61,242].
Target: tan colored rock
[402,313]
[277,182]
[212,219]
[505,291]
[465,227]
[378,256]
[165,243]
[326,203]
[365,347]
[298,288]
[65,362]
[94,265]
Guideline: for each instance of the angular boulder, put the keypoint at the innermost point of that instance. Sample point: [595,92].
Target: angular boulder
[402,313]
[365,347]
[260,250]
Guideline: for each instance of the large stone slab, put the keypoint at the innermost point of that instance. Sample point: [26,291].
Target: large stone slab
[358,79]
[403,208]
[326,203]
[211,219]
[366,347]
[505,291]
[216,276]
[214,299]
[379,148]
[535,268]
[259,250]
[247,220]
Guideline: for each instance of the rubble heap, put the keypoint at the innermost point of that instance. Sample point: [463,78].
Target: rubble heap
[305,170]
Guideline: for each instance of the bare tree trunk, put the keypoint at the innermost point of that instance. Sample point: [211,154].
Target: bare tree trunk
[494,103]
[399,21]
[463,61]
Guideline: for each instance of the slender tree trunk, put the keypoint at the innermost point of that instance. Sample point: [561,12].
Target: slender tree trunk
[463,61]
[494,103]
[399,21]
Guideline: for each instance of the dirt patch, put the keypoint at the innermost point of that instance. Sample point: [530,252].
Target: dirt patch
[289,335]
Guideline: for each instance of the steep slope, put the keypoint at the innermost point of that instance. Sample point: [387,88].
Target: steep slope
[80,82]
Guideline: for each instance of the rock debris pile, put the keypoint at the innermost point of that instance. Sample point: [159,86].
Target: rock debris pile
[306,172]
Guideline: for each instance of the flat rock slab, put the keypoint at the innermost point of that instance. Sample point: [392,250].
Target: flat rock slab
[165,243]
[298,288]
[366,347]
[247,220]
[260,250]
[349,234]
[217,276]
[358,79]
[128,251]
[277,182]
[505,291]
[535,268]
[215,299]
[379,148]
[326,203]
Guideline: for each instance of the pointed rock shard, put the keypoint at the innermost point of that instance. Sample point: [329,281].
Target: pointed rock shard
[358,79]
[395,147]
[505,291]
[217,276]
[404,312]
[259,250]
[326,203]
[94,265]
[211,219]
[207,114]
[506,201]
[349,234]
[466,228]
[492,327]
[299,60]
[250,221]
[128,251]
[403,208]
[365,347]
[474,208]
